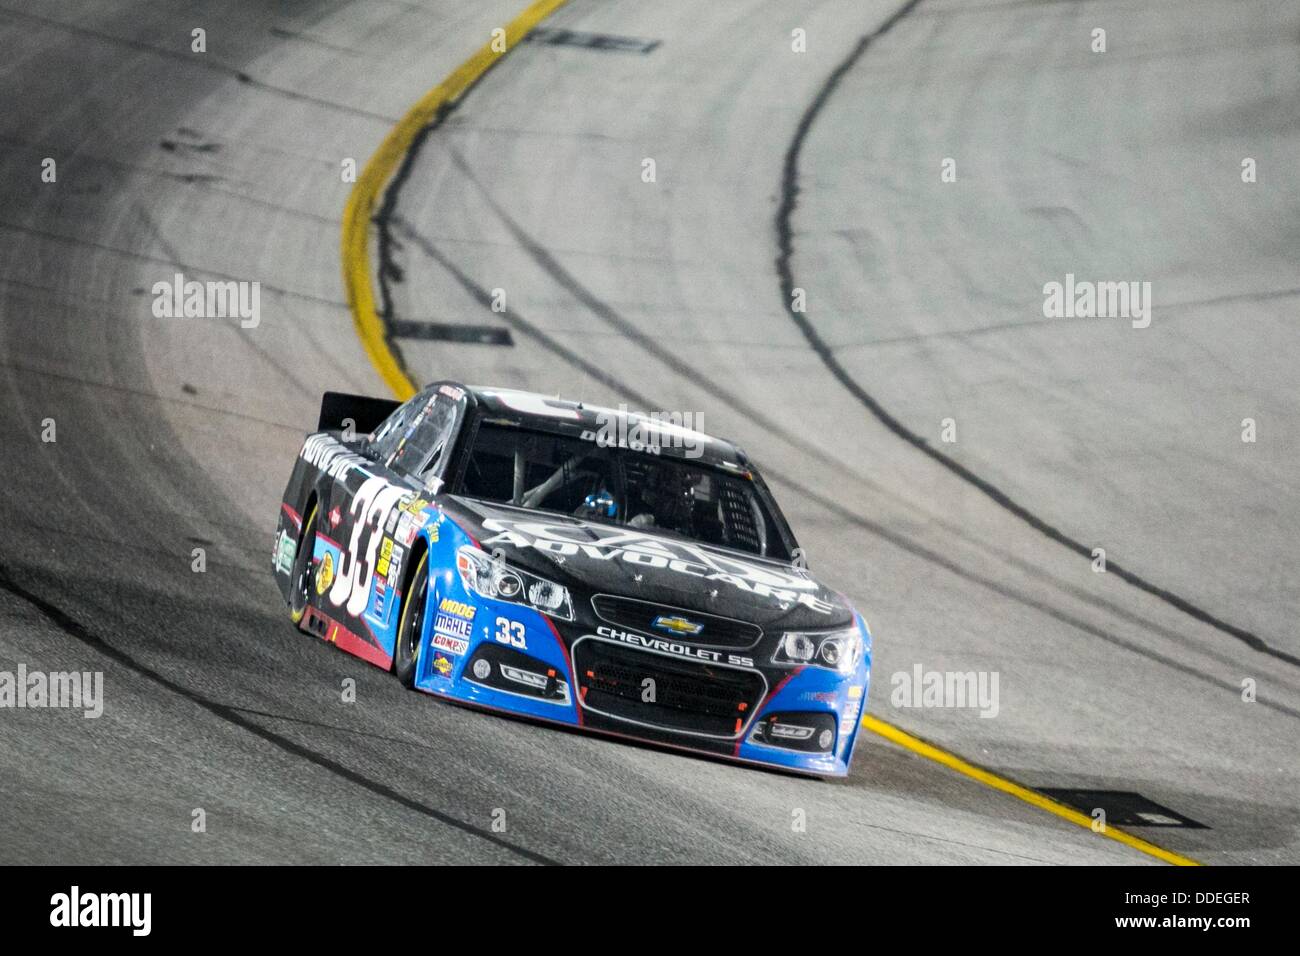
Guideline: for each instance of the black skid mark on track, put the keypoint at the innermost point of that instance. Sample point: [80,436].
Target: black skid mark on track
[785,272]
[205,62]
[389,271]
[232,715]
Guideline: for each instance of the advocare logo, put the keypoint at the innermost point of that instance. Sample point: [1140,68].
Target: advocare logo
[609,544]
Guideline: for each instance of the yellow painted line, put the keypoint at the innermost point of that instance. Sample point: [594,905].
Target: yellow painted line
[379,170]
[1032,797]
[361,298]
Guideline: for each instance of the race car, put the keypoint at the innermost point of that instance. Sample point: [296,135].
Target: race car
[593,567]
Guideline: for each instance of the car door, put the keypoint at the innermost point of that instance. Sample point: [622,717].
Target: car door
[406,460]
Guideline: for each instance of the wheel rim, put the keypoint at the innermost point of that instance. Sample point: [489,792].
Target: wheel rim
[304,568]
[411,639]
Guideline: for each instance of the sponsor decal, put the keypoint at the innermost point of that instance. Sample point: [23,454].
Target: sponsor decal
[331,457]
[855,692]
[385,557]
[381,596]
[335,516]
[678,625]
[457,608]
[408,527]
[286,549]
[325,573]
[849,716]
[442,664]
[392,522]
[455,626]
[598,543]
[452,392]
[604,439]
[820,696]
[395,568]
[452,645]
[671,647]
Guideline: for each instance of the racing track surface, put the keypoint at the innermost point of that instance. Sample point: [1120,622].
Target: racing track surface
[924,303]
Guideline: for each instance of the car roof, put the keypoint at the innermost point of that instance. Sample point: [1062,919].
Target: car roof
[568,416]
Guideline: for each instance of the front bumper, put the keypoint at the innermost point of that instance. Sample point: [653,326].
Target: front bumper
[802,719]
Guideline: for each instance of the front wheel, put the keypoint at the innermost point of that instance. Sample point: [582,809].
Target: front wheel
[304,570]
[406,655]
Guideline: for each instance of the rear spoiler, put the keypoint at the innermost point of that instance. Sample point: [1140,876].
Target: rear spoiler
[364,414]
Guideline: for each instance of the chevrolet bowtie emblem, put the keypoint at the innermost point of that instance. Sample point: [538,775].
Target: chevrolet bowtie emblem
[678,625]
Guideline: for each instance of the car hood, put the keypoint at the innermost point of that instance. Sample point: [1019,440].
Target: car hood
[594,558]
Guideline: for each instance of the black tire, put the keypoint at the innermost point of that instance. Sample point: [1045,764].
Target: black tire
[406,655]
[303,576]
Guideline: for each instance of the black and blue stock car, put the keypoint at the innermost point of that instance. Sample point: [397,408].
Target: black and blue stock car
[581,565]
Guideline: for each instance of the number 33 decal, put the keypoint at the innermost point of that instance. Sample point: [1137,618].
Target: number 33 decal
[510,632]
[374,499]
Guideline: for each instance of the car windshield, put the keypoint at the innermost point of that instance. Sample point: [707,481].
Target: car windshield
[568,475]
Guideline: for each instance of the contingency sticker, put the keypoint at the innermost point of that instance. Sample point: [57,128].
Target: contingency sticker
[286,549]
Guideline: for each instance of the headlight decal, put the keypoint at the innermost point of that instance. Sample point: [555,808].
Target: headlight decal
[498,580]
[839,650]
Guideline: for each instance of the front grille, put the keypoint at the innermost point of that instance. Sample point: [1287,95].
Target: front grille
[715,631]
[659,691]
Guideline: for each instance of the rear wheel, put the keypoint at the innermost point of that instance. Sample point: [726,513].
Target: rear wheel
[406,655]
[304,570]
